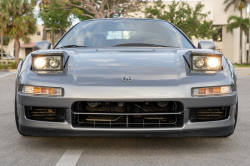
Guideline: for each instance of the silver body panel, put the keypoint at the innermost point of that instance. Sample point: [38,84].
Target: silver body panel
[159,75]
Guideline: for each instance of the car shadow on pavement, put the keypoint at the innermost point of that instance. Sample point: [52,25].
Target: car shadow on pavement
[128,144]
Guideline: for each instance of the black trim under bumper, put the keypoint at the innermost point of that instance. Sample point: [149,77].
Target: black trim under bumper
[216,132]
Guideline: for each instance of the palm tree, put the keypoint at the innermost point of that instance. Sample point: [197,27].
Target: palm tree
[238,22]
[3,21]
[44,2]
[22,22]
[238,5]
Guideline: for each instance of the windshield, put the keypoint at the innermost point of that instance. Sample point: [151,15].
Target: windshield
[109,33]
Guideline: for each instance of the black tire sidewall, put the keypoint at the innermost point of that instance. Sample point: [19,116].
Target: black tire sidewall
[236,115]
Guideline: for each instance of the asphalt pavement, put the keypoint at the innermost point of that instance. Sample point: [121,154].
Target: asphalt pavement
[18,150]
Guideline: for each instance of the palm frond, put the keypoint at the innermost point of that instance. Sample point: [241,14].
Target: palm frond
[228,5]
[238,22]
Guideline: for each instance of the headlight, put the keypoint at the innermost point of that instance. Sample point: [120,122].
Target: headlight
[210,91]
[40,63]
[47,63]
[35,90]
[54,62]
[199,62]
[207,63]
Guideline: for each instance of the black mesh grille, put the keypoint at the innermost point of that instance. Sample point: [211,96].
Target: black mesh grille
[209,114]
[45,114]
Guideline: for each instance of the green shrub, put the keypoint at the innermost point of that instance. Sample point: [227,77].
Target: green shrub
[2,66]
[13,65]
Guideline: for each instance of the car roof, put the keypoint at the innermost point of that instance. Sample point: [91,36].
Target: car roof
[143,19]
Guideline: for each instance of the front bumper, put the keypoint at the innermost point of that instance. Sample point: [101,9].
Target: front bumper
[189,129]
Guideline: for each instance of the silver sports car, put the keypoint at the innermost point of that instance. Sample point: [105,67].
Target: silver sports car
[126,78]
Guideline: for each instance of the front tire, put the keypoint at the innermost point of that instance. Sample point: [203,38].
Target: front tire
[236,115]
[17,119]
[235,120]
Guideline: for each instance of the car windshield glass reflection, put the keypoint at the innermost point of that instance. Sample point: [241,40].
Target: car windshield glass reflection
[109,33]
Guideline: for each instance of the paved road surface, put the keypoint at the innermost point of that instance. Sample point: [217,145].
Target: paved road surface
[19,150]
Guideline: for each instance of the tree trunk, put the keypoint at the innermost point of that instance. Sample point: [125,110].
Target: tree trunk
[17,50]
[240,58]
[249,39]
[44,33]
[61,30]
[70,19]
[2,47]
[53,38]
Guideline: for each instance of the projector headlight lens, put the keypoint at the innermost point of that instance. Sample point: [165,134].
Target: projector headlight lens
[199,62]
[54,62]
[47,63]
[210,91]
[35,90]
[207,63]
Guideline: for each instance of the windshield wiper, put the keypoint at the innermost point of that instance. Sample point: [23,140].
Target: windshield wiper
[70,46]
[142,44]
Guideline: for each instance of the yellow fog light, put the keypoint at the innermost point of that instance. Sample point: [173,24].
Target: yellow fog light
[212,91]
[42,90]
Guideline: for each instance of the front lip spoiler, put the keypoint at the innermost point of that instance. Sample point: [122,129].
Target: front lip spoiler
[214,132]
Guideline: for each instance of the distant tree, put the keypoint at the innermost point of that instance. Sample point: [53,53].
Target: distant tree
[238,22]
[22,22]
[6,40]
[102,8]
[54,17]
[217,36]
[238,5]
[190,20]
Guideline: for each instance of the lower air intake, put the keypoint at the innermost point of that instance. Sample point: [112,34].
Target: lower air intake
[127,114]
[209,114]
[45,114]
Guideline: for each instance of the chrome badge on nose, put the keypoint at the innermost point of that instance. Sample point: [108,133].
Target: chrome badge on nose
[126,79]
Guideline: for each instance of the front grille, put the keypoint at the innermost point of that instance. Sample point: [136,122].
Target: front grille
[45,114]
[209,114]
[127,114]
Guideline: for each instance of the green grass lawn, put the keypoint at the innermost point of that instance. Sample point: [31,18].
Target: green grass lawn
[242,65]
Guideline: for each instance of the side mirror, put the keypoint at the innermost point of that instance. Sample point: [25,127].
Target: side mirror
[206,45]
[42,45]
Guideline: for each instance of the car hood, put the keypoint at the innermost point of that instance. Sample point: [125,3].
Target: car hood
[92,74]
[145,67]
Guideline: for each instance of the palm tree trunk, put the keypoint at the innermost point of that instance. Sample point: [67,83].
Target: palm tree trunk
[240,56]
[2,47]
[249,37]
[44,33]
[17,50]
[53,38]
